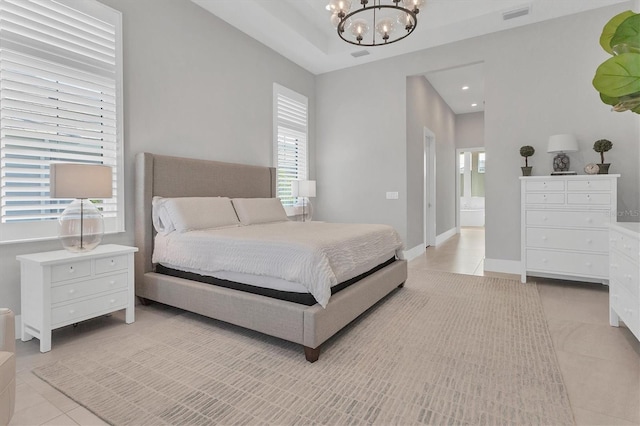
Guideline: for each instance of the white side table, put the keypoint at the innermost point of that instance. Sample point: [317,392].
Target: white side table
[59,288]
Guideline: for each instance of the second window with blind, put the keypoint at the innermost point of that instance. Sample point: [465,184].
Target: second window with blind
[290,151]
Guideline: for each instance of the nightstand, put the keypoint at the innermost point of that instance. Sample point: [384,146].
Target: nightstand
[59,288]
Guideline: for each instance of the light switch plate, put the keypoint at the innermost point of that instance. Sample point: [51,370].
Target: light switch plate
[392,195]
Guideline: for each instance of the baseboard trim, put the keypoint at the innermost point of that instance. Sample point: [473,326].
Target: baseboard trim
[18,320]
[445,236]
[501,265]
[414,252]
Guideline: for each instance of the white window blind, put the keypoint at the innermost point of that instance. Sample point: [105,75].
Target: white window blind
[60,101]
[290,146]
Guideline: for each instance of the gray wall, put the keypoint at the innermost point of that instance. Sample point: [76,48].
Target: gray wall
[193,86]
[425,108]
[537,83]
[470,130]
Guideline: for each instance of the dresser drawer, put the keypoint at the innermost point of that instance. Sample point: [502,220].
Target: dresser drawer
[625,244]
[69,271]
[582,264]
[589,198]
[540,198]
[624,272]
[589,185]
[545,185]
[88,308]
[626,305]
[89,287]
[569,239]
[574,219]
[109,264]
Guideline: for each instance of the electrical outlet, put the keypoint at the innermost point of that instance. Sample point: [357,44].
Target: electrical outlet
[392,195]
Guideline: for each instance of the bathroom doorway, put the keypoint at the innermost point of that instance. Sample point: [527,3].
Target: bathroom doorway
[470,187]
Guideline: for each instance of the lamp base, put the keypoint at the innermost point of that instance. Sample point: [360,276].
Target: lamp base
[561,162]
[81,226]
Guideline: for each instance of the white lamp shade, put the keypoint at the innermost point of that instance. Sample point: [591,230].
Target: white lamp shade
[303,188]
[70,180]
[562,143]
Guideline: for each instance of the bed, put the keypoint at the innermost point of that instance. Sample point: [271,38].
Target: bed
[307,325]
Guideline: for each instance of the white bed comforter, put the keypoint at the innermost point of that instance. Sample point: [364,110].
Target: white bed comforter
[317,255]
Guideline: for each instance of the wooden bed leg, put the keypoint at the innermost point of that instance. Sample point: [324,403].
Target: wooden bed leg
[311,354]
[401,285]
[143,301]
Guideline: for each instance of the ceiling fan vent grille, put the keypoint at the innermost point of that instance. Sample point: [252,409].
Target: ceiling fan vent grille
[516,13]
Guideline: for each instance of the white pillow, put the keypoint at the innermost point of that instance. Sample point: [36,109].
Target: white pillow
[161,220]
[192,213]
[259,210]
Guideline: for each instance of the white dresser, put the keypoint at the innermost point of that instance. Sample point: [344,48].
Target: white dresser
[59,288]
[624,276]
[565,226]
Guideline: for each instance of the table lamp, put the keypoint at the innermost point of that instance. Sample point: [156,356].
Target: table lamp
[303,188]
[561,144]
[81,226]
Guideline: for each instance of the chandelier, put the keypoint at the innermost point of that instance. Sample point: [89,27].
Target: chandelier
[391,22]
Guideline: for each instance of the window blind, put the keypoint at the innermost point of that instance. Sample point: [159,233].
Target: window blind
[291,156]
[60,101]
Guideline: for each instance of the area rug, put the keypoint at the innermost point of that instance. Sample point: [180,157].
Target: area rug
[446,349]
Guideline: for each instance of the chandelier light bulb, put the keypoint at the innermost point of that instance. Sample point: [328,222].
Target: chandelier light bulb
[385,27]
[405,20]
[413,5]
[335,21]
[359,28]
[340,7]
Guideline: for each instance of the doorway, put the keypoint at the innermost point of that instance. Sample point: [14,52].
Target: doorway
[470,199]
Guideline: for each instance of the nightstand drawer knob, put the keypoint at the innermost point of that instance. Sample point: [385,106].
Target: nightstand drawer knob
[544,260]
[588,264]
[71,291]
[589,220]
[112,301]
[545,218]
[71,311]
[71,270]
[589,240]
[544,238]
[112,263]
[112,282]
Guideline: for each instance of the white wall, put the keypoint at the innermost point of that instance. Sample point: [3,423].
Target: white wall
[425,108]
[470,130]
[193,86]
[537,83]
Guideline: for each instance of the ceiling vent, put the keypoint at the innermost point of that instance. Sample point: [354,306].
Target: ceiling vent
[516,13]
[360,53]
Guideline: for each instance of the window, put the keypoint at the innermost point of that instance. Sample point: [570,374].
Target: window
[290,140]
[481,159]
[61,96]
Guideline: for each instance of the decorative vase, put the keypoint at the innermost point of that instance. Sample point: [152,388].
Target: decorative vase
[603,169]
[526,171]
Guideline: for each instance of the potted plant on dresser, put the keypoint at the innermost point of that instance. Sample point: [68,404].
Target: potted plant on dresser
[602,146]
[526,151]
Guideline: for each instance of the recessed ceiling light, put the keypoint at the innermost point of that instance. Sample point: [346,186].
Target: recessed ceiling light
[474,105]
[465,87]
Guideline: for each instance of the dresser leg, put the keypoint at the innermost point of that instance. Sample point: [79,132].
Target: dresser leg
[613,318]
[129,315]
[45,341]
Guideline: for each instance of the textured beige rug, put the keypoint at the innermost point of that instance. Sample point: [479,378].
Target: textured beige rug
[446,349]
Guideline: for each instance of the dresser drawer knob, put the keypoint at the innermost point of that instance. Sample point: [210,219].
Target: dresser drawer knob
[544,260]
[112,282]
[71,270]
[589,241]
[112,263]
[588,264]
[544,218]
[112,301]
[71,291]
[544,238]
[589,220]
[71,311]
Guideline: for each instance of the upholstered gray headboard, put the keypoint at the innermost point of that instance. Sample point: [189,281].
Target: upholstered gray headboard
[164,176]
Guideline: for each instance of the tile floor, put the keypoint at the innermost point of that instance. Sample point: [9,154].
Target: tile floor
[600,364]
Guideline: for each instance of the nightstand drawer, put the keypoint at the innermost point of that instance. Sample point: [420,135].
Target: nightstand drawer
[553,198]
[589,199]
[545,185]
[589,185]
[625,244]
[109,264]
[624,272]
[69,271]
[88,308]
[80,289]
[569,239]
[582,264]
[573,219]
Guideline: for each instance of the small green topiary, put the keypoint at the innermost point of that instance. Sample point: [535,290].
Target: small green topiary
[527,151]
[602,146]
